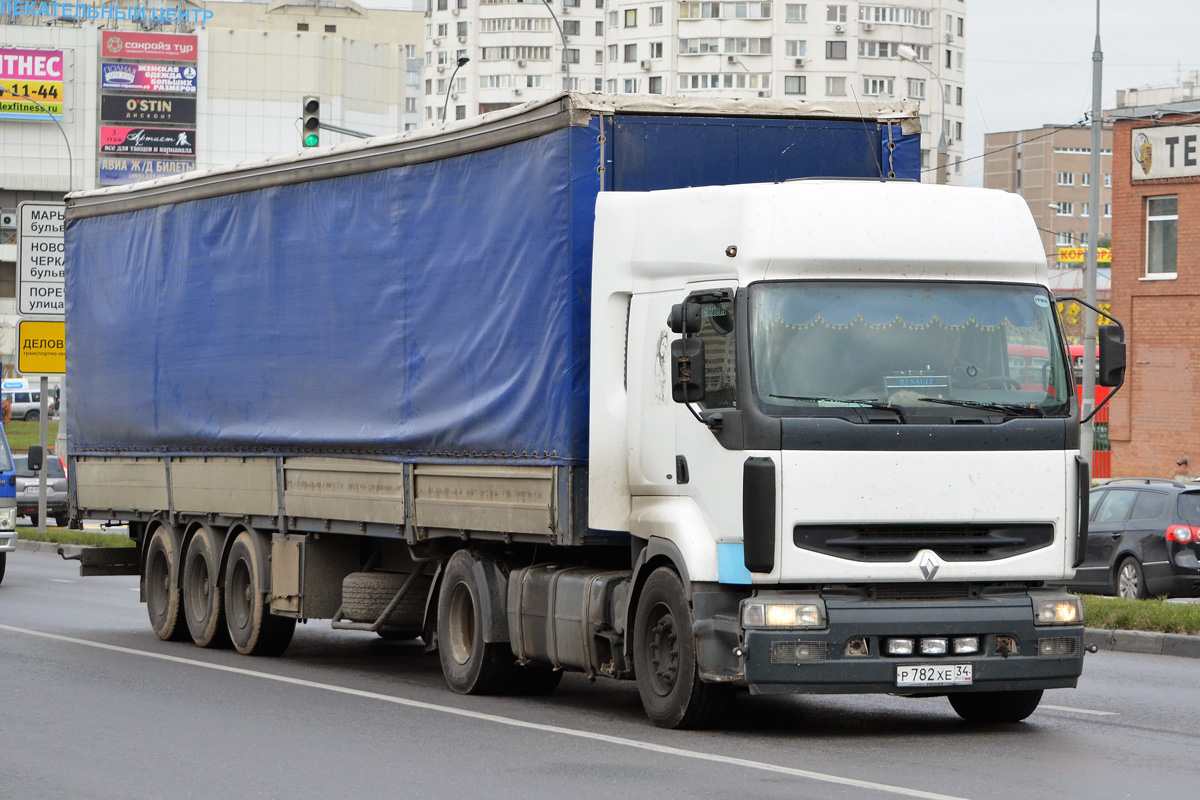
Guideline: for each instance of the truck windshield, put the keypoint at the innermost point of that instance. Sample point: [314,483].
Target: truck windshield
[913,348]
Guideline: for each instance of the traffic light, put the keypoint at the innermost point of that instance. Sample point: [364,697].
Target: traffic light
[310,123]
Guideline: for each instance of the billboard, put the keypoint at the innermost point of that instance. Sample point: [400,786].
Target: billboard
[1172,151]
[175,78]
[116,171]
[33,74]
[147,46]
[148,108]
[147,141]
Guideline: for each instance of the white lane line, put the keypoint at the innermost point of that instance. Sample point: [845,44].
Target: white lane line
[61,580]
[620,741]
[1081,711]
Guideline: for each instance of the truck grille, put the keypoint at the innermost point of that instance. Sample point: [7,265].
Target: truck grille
[901,543]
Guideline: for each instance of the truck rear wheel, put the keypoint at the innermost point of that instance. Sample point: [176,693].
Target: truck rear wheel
[469,664]
[664,653]
[202,606]
[254,630]
[993,707]
[163,601]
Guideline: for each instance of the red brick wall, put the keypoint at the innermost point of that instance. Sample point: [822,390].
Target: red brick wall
[1153,421]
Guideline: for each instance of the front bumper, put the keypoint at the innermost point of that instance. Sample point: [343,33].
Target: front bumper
[1013,654]
[8,541]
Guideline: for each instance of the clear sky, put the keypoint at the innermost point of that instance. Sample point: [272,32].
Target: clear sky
[1029,62]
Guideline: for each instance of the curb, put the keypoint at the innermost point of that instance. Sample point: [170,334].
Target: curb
[1159,644]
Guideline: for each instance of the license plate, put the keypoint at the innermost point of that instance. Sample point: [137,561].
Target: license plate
[933,675]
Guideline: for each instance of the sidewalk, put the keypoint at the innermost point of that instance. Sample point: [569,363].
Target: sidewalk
[1163,644]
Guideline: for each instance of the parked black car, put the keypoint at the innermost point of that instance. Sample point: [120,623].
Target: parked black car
[1143,539]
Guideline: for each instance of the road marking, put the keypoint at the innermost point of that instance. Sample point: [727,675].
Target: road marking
[1081,711]
[620,741]
[61,580]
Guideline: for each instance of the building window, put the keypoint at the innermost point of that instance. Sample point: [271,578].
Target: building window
[796,12]
[748,46]
[301,26]
[410,105]
[1066,209]
[655,86]
[570,27]
[689,10]
[631,86]
[1066,179]
[958,131]
[571,55]
[461,29]
[614,17]
[612,54]
[631,53]
[692,47]
[795,84]
[835,86]
[631,18]
[746,10]
[1085,179]
[656,18]
[958,95]
[1108,181]
[656,49]
[835,13]
[835,50]
[1063,239]
[1108,209]
[599,56]
[949,55]
[795,49]
[598,84]
[876,87]
[570,3]
[1162,231]
[610,86]
[1084,209]
[916,88]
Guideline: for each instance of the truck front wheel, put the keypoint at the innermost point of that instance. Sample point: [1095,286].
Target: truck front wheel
[202,605]
[993,707]
[255,631]
[163,601]
[469,664]
[665,659]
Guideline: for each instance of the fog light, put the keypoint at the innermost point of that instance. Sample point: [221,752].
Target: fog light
[934,647]
[900,647]
[966,644]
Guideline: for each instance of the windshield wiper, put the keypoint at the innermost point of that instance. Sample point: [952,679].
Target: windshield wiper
[849,402]
[1013,409]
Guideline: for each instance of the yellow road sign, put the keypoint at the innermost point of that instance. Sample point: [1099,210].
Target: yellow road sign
[41,348]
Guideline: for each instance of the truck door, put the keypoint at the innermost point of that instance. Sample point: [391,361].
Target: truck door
[651,421]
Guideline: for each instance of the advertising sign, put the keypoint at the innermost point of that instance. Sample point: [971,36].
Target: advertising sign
[1077,255]
[35,74]
[147,141]
[140,109]
[174,78]
[119,171]
[1172,151]
[41,264]
[144,46]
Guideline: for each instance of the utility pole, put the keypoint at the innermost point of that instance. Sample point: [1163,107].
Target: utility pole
[1090,327]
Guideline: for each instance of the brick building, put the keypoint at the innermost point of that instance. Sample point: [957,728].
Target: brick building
[1155,420]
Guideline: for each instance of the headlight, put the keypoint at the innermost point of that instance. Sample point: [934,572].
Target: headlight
[8,519]
[783,615]
[1059,609]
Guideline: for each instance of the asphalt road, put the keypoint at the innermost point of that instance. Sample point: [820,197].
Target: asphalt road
[92,705]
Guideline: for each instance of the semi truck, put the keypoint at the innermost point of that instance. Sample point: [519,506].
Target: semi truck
[707,394]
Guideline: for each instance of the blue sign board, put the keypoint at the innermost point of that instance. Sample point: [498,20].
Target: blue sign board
[118,171]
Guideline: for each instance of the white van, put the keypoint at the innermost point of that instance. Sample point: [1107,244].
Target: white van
[26,397]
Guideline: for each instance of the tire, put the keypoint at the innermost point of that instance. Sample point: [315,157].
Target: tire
[253,629]
[664,653]
[469,665]
[32,416]
[33,519]
[203,608]
[995,707]
[1130,580]
[3,564]
[365,595]
[163,598]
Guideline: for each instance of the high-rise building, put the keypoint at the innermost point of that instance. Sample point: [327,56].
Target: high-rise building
[520,50]
[1051,168]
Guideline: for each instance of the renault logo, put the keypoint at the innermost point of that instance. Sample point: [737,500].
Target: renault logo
[929,565]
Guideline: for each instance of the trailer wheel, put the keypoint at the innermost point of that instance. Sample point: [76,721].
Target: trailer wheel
[254,630]
[202,606]
[162,586]
[665,659]
[995,707]
[470,665]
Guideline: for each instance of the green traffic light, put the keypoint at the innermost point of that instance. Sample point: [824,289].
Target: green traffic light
[311,140]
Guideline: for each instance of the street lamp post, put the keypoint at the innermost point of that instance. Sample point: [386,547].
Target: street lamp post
[909,54]
[563,36]
[1090,326]
[450,85]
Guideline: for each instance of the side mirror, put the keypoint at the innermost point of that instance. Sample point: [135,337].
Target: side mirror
[684,318]
[1112,356]
[34,461]
[687,369]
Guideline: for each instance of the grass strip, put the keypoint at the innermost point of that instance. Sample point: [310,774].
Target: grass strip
[67,536]
[1154,614]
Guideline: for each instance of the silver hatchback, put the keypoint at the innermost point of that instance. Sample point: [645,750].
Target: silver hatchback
[56,489]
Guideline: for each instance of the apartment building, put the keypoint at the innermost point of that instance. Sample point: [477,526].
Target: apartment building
[519,50]
[1051,168]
